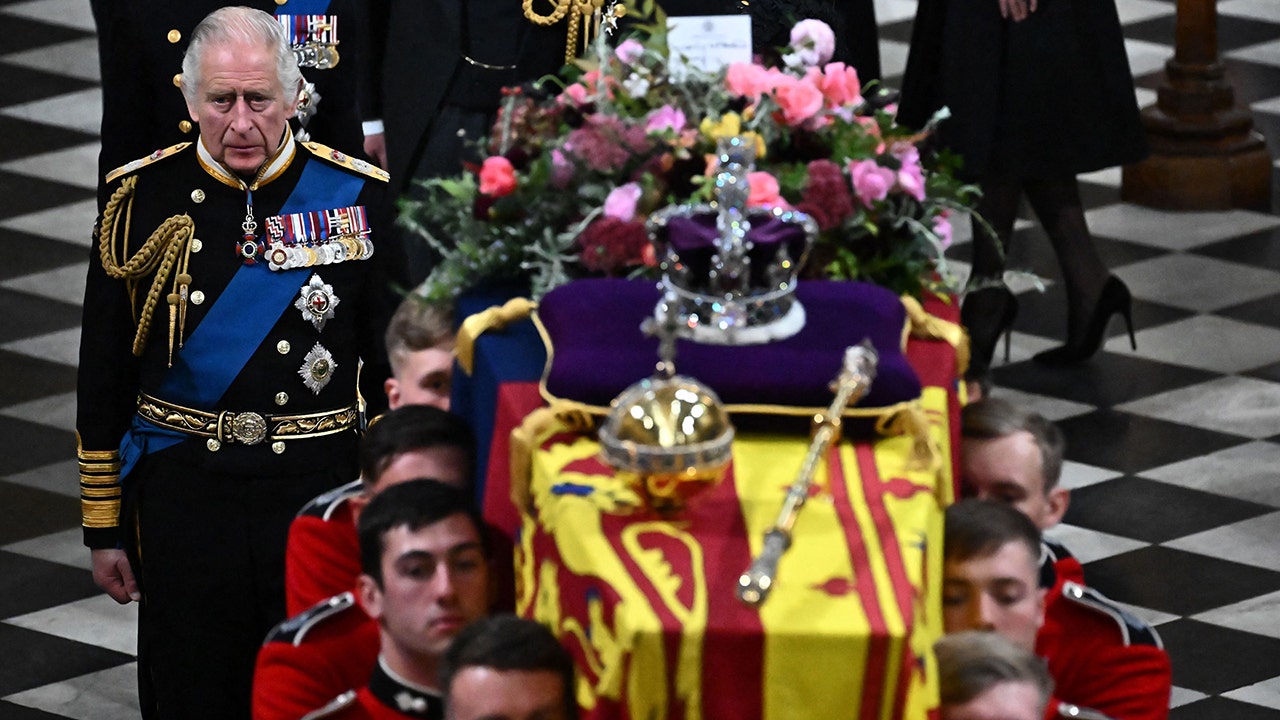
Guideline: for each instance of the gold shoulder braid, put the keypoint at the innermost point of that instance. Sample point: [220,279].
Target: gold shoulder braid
[587,14]
[168,244]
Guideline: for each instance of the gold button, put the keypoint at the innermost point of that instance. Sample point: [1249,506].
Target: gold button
[283,347]
[185,126]
[196,244]
[197,195]
[177,80]
[282,398]
[197,297]
[277,447]
[174,36]
[213,445]
[281,2]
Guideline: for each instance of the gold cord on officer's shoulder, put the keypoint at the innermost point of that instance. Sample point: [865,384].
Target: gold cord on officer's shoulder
[168,244]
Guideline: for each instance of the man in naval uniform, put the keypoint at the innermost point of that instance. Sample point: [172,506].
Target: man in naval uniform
[426,575]
[141,43]
[233,292]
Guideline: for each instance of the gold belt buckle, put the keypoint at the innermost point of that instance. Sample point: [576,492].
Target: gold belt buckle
[248,428]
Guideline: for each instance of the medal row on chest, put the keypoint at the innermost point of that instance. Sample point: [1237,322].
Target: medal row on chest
[308,239]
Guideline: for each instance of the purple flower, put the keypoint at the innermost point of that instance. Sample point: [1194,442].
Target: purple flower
[561,170]
[665,118]
[910,175]
[622,200]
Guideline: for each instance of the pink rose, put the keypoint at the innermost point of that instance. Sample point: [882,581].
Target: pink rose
[750,80]
[839,84]
[813,42]
[871,182]
[575,94]
[942,228]
[665,118]
[621,203]
[765,191]
[497,177]
[799,100]
[910,175]
[629,51]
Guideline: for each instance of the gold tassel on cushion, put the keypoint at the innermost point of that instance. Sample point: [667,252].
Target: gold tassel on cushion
[495,318]
[927,327]
[910,420]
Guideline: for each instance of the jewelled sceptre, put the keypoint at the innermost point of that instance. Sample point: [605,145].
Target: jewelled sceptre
[853,382]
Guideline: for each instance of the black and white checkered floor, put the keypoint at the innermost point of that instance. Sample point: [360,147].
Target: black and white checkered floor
[1174,449]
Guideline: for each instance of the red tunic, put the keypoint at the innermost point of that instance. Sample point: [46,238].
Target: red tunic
[1103,658]
[311,658]
[322,557]
[384,698]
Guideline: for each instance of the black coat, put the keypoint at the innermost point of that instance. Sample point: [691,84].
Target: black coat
[1049,96]
[142,106]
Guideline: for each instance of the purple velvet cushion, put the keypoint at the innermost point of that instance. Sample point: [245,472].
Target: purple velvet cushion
[597,349]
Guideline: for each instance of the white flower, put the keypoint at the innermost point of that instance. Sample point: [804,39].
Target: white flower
[814,41]
[635,85]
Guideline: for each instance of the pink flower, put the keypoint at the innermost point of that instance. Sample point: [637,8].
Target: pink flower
[621,203]
[813,42]
[871,182]
[942,228]
[910,175]
[665,118]
[575,94]
[561,170]
[765,191]
[629,51]
[799,100]
[838,82]
[497,177]
[750,80]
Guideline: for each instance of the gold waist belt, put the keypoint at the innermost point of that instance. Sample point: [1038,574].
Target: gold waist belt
[246,428]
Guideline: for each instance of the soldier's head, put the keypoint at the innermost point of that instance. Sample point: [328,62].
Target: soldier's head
[984,676]
[242,84]
[417,441]
[990,574]
[426,572]
[1014,456]
[510,668]
[420,343]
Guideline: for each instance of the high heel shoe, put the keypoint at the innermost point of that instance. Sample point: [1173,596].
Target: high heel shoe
[987,314]
[1115,299]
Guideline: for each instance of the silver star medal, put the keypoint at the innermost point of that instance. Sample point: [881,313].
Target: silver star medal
[317,302]
[409,703]
[317,368]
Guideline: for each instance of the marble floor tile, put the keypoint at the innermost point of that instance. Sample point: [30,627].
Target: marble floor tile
[1238,405]
[1204,284]
[891,11]
[61,347]
[59,477]
[1145,57]
[1208,342]
[64,284]
[1249,472]
[74,166]
[105,695]
[1089,545]
[65,547]
[71,223]
[1182,696]
[79,111]
[1174,231]
[1249,542]
[893,58]
[1267,53]
[97,620]
[77,58]
[56,411]
[1260,615]
[1077,475]
[1133,11]
[1256,9]
[1051,408]
[72,13]
[1265,693]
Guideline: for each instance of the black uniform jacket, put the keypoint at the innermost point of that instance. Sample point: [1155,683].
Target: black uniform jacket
[276,362]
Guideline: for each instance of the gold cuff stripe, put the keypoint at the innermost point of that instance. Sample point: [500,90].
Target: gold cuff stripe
[110,468]
[100,514]
[100,492]
[98,455]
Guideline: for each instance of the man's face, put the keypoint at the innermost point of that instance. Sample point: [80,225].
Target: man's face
[447,464]
[483,693]
[423,377]
[435,580]
[998,592]
[1009,470]
[240,105]
[1010,700]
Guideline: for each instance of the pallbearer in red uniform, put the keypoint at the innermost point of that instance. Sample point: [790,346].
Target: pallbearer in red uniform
[232,293]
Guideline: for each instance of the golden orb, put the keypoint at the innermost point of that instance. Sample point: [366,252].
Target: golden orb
[668,437]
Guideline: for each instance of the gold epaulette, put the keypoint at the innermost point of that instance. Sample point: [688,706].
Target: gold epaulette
[132,165]
[351,163]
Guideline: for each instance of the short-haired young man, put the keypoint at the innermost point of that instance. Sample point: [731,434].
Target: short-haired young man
[1099,656]
[509,668]
[985,676]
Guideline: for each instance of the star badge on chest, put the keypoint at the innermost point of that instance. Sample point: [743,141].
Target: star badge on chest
[317,368]
[317,302]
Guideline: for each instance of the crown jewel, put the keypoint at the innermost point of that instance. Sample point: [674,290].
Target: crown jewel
[731,271]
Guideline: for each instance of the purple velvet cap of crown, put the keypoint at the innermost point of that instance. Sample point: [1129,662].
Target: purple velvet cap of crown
[598,349]
[694,238]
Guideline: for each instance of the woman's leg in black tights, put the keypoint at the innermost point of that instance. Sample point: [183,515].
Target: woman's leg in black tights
[1057,204]
[999,207]
[989,308]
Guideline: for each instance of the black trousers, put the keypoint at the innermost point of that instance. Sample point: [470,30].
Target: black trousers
[207,547]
